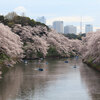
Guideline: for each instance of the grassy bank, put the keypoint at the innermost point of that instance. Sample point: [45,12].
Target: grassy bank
[93,65]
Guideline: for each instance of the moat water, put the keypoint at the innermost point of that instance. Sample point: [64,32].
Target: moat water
[57,81]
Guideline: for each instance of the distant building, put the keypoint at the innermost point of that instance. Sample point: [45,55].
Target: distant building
[88,28]
[70,29]
[41,19]
[58,26]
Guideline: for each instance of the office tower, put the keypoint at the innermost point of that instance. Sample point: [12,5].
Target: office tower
[58,26]
[41,19]
[70,29]
[88,28]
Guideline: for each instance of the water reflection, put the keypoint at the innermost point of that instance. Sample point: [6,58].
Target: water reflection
[91,79]
[58,81]
[10,85]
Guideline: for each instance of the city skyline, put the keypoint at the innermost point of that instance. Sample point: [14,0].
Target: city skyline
[68,11]
[70,29]
[62,29]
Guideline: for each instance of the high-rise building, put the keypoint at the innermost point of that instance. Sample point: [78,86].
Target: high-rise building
[41,19]
[58,26]
[88,28]
[70,29]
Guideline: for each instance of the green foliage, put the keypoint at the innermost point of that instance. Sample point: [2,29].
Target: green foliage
[71,54]
[52,52]
[10,24]
[23,20]
[31,54]
[90,60]
[6,21]
[12,18]
[74,36]
[2,19]
[32,22]
[24,44]
[3,57]
[4,70]
[10,15]
[39,54]
[90,63]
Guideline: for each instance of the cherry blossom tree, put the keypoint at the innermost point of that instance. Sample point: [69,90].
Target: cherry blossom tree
[90,49]
[10,43]
[39,39]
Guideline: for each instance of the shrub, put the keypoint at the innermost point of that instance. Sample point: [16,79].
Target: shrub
[52,52]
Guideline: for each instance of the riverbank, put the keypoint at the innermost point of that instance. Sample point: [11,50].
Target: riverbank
[90,63]
[94,66]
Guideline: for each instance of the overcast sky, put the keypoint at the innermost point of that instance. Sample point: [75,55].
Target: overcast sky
[68,11]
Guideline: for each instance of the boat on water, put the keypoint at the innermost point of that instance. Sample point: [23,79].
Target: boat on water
[74,66]
[26,62]
[40,69]
[66,61]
